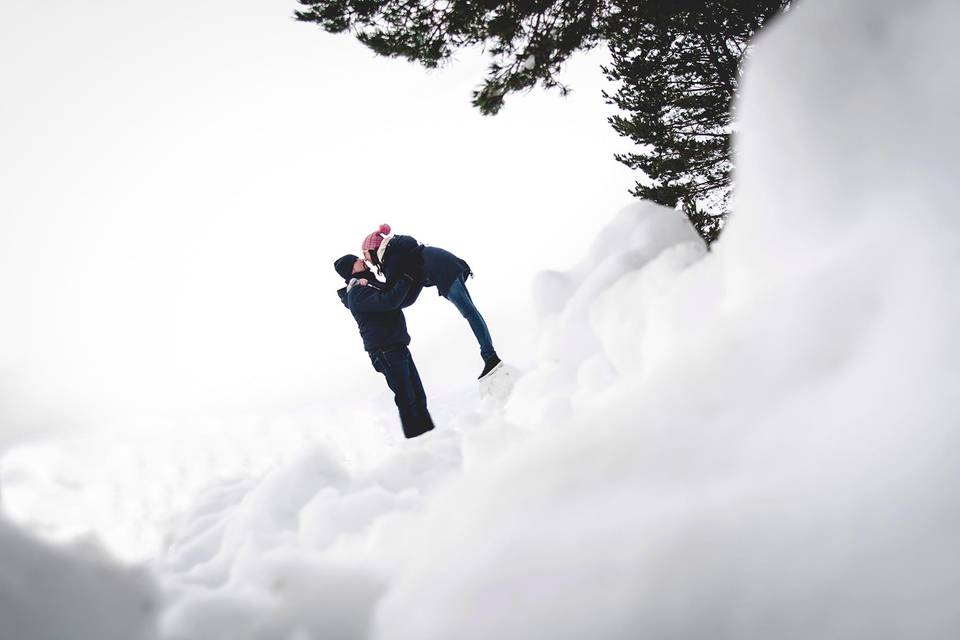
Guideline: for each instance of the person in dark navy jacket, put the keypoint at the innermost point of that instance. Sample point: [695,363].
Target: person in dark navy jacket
[394,255]
[383,328]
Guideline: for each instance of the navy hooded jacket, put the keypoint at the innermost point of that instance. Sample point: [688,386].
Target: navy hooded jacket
[377,312]
[439,267]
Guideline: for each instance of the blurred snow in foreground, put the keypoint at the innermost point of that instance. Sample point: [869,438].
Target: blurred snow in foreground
[755,443]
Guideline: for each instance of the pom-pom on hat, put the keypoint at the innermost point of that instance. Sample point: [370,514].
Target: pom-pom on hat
[373,240]
[344,265]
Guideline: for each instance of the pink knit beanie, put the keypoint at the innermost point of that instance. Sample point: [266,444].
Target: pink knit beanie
[373,240]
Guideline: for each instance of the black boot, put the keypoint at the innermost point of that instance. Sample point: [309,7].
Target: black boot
[489,365]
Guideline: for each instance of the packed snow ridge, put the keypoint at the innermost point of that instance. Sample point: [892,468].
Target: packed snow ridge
[756,442]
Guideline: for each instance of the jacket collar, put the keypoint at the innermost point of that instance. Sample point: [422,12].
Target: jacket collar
[383,248]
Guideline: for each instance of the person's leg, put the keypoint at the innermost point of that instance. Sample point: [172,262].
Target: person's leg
[396,381]
[425,421]
[408,392]
[461,299]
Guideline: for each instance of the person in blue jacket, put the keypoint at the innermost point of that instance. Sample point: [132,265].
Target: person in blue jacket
[394,255]
[383,328]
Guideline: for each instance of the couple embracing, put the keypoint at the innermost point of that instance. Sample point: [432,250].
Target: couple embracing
[405,267]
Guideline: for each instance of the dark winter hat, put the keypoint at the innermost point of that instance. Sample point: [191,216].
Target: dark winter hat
[344,265]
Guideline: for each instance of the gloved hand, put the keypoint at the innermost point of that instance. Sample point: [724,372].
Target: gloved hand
[356,282]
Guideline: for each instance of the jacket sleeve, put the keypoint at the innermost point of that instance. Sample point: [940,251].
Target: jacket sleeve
[369,299]
[413,294]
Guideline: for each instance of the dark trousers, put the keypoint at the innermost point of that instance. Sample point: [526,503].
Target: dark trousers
[398,368]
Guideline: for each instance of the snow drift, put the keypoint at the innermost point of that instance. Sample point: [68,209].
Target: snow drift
[48,593]
[770,451]
[751,443]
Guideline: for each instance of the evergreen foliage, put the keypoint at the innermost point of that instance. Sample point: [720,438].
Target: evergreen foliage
[676,65]
[677,72]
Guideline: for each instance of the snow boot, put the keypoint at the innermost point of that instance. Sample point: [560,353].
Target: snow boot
[489,366]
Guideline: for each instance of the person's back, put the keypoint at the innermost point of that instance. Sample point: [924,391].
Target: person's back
[442,268]
[438,267]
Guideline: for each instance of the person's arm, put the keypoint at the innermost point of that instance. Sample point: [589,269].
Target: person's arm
[413,294]
[342,294]
[368,299]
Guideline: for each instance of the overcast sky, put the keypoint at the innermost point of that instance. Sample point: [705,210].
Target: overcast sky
[178,178]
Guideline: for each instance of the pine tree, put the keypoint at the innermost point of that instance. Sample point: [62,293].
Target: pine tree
[676,64]
[678,74]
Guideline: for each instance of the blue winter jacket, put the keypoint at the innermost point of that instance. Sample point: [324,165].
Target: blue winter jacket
[377,312]
[438,267]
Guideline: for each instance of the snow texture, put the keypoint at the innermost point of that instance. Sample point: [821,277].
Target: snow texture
[49,593]
[498,384]
[752,443]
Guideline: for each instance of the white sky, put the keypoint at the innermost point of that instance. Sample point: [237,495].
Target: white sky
[176,180]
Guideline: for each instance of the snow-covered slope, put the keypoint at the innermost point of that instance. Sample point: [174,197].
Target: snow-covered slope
[314,547]
[769,449]
[757,442]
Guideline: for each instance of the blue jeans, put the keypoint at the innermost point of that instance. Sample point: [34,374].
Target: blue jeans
[461,299]
[398,368]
